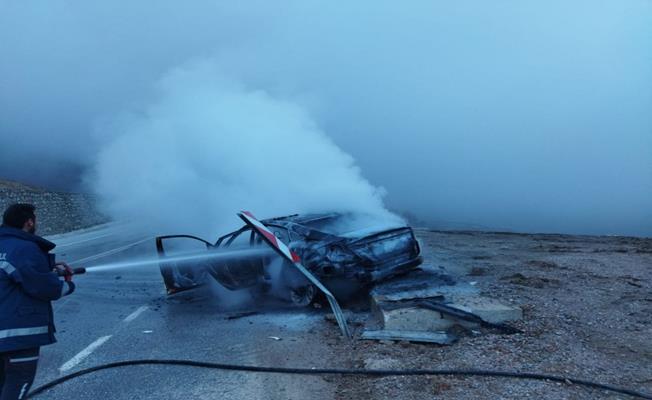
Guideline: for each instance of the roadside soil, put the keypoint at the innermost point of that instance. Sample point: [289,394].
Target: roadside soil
[587,304]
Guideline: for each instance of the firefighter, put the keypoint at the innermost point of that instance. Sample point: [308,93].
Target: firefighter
[29,281]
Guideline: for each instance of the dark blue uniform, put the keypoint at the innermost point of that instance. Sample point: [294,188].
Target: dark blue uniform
[27,286]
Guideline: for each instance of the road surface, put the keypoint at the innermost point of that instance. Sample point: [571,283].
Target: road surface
[586,299]
[125,314]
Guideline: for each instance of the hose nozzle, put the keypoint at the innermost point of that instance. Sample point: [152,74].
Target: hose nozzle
[75,271]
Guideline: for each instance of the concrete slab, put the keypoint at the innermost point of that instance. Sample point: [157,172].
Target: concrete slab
[412,319]
[488,309]
[395,304]
[404,315]
[420,285]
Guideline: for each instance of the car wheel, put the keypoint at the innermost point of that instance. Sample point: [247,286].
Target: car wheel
[302,296]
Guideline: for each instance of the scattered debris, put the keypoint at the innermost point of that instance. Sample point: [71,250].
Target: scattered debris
[477,271]
[418,284]
[463,315]
[429,302]
[351,318]
[410,336]
[274,338]
[595,327]
[544,264]
[531,281]
[241,314]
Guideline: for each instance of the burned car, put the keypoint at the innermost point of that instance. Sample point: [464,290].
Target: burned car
[345,260]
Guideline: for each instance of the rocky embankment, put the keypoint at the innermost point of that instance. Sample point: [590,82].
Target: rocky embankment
[57,212]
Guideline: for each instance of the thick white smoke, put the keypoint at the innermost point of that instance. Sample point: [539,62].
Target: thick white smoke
[471,115]
[210,146]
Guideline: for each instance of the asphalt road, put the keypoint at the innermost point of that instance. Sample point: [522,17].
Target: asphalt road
[125,314]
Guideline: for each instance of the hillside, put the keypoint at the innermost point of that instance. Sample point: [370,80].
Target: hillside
[57,212]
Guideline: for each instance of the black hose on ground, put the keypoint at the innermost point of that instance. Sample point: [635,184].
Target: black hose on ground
[328,371]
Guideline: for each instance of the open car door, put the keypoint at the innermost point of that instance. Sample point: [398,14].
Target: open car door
[180,275]
[282,249]
[237,272]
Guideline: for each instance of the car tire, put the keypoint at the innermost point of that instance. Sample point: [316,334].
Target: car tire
[303,296]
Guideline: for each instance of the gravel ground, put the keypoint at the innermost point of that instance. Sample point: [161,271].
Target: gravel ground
[587,305]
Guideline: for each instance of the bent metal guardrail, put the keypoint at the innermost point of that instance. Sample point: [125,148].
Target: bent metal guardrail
[282,249]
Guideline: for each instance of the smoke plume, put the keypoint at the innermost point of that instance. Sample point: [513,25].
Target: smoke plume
[516,115]
[210,146]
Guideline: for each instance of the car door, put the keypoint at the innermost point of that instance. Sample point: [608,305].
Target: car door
[180,271]
[242,269]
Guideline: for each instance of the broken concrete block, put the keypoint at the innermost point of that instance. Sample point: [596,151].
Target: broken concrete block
[409,316]
[427,292]
[419,284]
[412,319]
[399,304]
[488,309]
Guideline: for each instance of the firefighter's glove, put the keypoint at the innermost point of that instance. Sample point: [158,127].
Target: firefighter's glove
[64,269]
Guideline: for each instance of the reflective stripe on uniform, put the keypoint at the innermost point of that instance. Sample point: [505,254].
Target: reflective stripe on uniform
[23,390]
[37,330]
[24,359]
[7,267]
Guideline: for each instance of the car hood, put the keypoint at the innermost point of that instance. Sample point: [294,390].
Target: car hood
[370,231]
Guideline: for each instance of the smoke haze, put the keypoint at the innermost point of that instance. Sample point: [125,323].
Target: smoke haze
[527,116]
[209,147]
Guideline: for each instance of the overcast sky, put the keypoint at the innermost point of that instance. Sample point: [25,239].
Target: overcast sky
[510,115]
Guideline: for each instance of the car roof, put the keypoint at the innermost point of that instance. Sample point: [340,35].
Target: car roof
[301,218]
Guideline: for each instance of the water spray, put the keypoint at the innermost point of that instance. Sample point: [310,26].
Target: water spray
[211,255]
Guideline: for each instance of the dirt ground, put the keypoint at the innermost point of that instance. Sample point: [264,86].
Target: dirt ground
[587,305]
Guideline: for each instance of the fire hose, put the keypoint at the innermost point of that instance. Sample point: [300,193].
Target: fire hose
[346,372]
[338,371]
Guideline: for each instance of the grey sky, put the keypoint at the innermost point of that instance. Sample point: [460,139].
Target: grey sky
[518,115]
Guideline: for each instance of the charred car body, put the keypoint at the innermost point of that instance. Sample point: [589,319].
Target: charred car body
[343,260]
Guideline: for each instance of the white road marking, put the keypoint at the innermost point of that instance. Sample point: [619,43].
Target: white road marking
[109,252]
[135,314]
[83,354]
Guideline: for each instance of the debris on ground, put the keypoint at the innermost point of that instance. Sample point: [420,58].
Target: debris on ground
[595,323]
[531,281]
[241,314]
[410,336]
[430,302]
